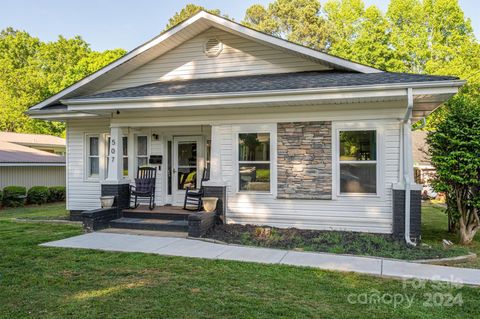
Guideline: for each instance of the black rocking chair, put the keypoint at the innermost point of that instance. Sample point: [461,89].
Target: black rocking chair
[144,186]
[193,197]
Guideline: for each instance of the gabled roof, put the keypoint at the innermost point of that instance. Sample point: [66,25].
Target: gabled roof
[32,139]
[12,154]
[257,83]
[179,34]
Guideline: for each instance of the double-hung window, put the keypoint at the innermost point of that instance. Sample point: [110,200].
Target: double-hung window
[254,162]
[93,156]
[142,151]
[357,161]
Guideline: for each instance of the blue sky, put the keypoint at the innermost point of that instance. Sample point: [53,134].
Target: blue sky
[108,24]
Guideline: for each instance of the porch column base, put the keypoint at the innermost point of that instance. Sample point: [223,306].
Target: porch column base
[121,191]
[221,193]
[399,214]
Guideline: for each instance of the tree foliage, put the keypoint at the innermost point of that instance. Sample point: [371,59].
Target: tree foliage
[413,36]
[298,21]
[31,71]
[455,153]
[186,12]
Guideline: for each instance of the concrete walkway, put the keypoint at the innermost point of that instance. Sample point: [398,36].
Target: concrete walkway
[201,249]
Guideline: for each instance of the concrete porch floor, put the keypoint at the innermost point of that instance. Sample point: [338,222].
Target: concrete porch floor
[177,246]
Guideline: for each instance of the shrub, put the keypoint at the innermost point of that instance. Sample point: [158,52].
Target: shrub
[56,193]
[14,196]
[37,195]
[454,149]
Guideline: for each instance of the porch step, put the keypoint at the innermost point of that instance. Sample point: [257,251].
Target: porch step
[159,212]
[150,224]
[155,215]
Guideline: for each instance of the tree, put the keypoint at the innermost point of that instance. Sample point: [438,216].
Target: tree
[454,149]
[31,71]
[298,21]
[359,34]
[188,11]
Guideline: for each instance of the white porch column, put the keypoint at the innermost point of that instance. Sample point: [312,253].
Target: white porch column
[115,165]
[215,159]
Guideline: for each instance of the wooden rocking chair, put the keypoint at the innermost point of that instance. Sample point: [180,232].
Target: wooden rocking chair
[193,197]
[144,186]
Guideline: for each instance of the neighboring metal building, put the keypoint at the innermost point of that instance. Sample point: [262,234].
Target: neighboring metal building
[23,165]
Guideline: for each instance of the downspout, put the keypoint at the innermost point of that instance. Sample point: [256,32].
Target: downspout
[406,163]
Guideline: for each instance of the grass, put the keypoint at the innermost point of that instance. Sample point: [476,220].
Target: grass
[434,230]
[41,282]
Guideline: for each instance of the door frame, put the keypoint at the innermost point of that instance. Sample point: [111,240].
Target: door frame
[177,195]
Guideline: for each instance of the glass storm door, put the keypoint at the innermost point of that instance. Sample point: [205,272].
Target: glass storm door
[187,170]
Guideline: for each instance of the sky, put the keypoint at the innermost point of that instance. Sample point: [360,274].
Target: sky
[109,24]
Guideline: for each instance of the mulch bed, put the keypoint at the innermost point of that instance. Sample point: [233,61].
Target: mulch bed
[355,243]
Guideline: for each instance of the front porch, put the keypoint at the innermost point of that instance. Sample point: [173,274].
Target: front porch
[162,218]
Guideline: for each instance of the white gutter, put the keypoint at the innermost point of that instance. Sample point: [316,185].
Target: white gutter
[407,163]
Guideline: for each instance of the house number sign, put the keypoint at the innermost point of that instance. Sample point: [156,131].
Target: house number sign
[112,150]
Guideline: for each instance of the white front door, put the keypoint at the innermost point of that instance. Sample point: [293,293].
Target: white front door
[188,163]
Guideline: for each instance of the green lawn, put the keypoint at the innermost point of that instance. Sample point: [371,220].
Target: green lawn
[434,230]
[58,283]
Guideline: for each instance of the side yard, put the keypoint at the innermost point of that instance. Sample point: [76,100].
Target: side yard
[434,225]
[52,282]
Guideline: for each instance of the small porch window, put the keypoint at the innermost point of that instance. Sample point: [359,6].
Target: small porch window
[358,161]
[93,156]
[254,162]
[142,151]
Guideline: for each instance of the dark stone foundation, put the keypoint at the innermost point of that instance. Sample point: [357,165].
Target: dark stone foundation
[121,193]
[399,214]
[97,219]
[221,193]
[76,215]
[199,223]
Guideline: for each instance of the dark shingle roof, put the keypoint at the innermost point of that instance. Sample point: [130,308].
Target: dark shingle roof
[270,82]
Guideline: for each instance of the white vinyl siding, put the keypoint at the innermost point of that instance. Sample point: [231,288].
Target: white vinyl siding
[352,213]
[239,57]
[82,194]
[29,176]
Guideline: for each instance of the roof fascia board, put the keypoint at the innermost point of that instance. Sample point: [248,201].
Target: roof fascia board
[235,101]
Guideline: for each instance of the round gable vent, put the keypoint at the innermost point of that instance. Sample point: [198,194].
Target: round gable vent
[213,47]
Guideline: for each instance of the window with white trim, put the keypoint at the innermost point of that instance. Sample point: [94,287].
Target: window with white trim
[125,155]
[357,161]
[142,151]
[254,165]
[93,156]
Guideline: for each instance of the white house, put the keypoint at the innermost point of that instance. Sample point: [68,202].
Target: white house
[298,137]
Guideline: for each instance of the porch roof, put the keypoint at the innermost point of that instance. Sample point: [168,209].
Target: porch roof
[267,82]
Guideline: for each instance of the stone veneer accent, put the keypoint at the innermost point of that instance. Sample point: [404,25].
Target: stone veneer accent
[304,160]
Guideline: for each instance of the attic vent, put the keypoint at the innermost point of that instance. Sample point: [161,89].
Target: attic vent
[213,47]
